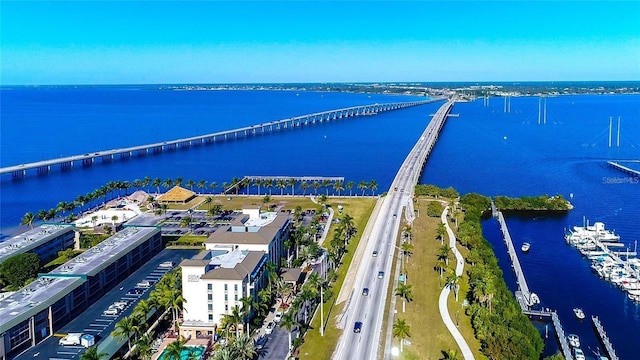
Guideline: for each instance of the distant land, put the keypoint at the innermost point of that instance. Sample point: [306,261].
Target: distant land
[463,90]
[432,89]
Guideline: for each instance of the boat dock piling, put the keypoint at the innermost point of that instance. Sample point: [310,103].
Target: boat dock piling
[562,338]
[604,338]
[523,295]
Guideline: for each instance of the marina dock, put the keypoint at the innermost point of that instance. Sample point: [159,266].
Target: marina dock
[523,294]
[562,337]
[604,338]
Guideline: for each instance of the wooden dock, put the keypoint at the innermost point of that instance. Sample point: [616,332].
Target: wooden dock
[562,337]
[523,295]
[604,338]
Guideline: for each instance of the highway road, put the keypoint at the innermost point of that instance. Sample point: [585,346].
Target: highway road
[369,309]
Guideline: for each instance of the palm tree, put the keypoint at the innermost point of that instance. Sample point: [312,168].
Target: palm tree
[453,281]
[225,353]
[243,347]
[268,183]
[441,231]
[450,355]
[349,186]
[178,181]
[247,309]
[337,186]
[401,330]
[325,184]
[93,354]
[304,186]
[441,266]
[288,322]
[207,201]
[258,183]
[316,185]
[124,329]
[362,185]
[201,185]
[373,186]
[234,319]
[156,184]
[190,183]
[407,248]
[144,346]
[292,182]
[192,353]
[443,253]
[28,219]
[281,184]
[167,183]
[404,291]
[145,182]
[173,351]
[213,185]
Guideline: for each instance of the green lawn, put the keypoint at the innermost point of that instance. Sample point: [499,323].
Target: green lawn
[316,346]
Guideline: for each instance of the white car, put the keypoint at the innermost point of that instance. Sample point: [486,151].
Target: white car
[71,339]
[166,265]
[112,311]
[269,329]
[278,316]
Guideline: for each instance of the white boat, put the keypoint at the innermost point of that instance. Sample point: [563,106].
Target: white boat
[578,354]
[579,313]
[525,247]
[574,340]
[534,299]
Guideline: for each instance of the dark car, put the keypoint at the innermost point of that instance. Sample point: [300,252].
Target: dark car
[365,291]
[380,274]
[357,327]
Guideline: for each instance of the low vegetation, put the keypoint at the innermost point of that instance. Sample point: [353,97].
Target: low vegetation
[19,270]
[543,202]
[504,332]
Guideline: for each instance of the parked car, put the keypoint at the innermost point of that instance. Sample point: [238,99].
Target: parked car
[270,326]
[70,339]
[111,312]
[278,316]
[166,265]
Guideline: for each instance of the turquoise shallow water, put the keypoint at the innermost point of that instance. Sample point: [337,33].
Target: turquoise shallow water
[184,354]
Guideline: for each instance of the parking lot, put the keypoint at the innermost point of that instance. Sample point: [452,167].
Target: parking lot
[200,223]
[100,318]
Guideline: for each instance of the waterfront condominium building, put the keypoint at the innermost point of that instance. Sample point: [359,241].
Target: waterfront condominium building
[233,266]
[45,241]
[37,311]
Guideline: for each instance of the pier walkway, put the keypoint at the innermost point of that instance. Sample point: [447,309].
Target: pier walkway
[604,338]
[88,159]
[562,338]
[623,168]
[523,295]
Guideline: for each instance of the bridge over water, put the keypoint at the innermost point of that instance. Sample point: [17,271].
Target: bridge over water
[88,159]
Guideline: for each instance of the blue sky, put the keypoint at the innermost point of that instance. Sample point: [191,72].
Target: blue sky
[123,42]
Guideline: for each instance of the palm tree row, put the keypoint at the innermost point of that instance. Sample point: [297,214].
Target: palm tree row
[167,296]
[293,183]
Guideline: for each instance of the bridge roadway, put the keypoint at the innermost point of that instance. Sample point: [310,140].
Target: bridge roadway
[88,159]
[369,309]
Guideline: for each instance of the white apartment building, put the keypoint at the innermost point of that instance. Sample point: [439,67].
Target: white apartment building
[233,266]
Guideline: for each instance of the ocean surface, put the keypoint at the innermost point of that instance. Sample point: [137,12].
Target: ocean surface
[484,150]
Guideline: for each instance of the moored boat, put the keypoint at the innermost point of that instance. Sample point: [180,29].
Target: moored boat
[574,340]
[525,247]
[579,313]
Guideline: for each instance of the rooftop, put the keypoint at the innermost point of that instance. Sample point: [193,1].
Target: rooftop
[94,260]
[34,298]
[234,265]
[252,231]
[31,239]
[176,194]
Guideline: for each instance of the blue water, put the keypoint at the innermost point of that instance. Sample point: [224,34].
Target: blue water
[184,354]
[45,123]
[483,150]
[493,153]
